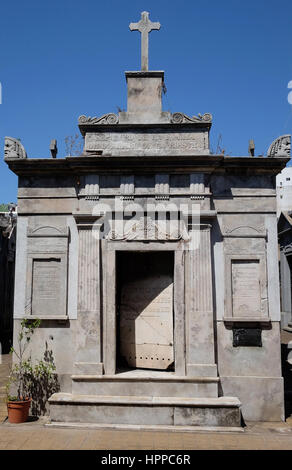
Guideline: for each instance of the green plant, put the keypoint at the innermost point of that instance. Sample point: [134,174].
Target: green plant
[22,370]
[3,207]
[43,382]
[38,380]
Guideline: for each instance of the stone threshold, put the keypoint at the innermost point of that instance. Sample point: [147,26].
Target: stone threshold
[123,377]
[147,427]
[69,398]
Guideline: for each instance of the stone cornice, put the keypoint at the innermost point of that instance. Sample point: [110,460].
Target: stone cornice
[100,124]
[148,164]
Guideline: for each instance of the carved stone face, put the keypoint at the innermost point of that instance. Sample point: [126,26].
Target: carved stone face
[9,149]
[281,147]
[285,146]
[13,148]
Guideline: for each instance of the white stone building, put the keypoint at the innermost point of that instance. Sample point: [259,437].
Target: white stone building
[284,190]
[150,322]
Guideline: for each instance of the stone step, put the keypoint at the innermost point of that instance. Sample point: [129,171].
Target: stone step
[129,385]
[145,427]
[145,410]
[288,327]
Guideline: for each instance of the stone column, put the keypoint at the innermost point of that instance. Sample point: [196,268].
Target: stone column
[285,284]
[200,353]
[88,335]
[109,306]
[179,314]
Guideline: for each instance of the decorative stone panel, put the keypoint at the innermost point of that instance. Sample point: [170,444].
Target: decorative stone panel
[46,294]
[90,188]
[161,186]
[245,279]
[197,185]
[127,187]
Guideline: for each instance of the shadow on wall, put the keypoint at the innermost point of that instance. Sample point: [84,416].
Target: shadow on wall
[43,383]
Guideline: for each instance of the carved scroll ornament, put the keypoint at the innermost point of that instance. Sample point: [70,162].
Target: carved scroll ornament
[148,229]
[110,118]
[179,118]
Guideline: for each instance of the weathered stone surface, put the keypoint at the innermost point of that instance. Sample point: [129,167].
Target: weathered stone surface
[13,149]
[281,147]
[46,294]
[267,394]
[47,271]
[246,296]
[157,141]
[146,410]
[144,94]
[69,226]
[50,338]
[249,361]
[145,26]
[199,302]
[159,385]
[207,417]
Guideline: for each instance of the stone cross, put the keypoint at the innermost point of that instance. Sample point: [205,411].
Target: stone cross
[145,26]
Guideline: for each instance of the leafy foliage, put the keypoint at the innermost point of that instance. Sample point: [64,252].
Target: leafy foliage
[37,381]
[19,371]
[3,207]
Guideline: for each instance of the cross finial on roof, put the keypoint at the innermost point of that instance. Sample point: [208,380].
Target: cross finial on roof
[145,26]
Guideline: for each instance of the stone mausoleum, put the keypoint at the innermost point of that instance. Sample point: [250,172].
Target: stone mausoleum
[153,265]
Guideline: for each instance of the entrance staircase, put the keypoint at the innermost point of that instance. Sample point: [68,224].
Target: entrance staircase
[145,398]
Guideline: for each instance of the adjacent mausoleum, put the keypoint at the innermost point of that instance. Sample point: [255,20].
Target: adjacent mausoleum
[7,270]
[153,265]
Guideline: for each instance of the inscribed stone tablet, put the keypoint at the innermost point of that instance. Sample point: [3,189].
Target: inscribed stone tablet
[246,292]
[157,141]
[46,286]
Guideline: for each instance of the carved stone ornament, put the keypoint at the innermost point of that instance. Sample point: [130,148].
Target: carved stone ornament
[179,118]
[148,229]
[110,118]
[13,148]
[47,231]
[243,230]
[281,147]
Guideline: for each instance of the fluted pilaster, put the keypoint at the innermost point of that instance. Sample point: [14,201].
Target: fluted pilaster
[89,276]
[88,337]
[199,304]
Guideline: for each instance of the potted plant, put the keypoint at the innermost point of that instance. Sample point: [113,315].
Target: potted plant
[21,375]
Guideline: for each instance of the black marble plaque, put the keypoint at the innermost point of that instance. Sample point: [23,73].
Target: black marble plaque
[247,337]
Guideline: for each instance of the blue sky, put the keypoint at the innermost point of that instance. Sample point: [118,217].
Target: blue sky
[60,59]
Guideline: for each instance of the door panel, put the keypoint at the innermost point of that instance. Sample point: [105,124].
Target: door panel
[146,311]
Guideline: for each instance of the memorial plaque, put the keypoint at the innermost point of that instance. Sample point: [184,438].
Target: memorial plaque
[146,323]
[246,290]
[46,285]
[247,337]
[158,141]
